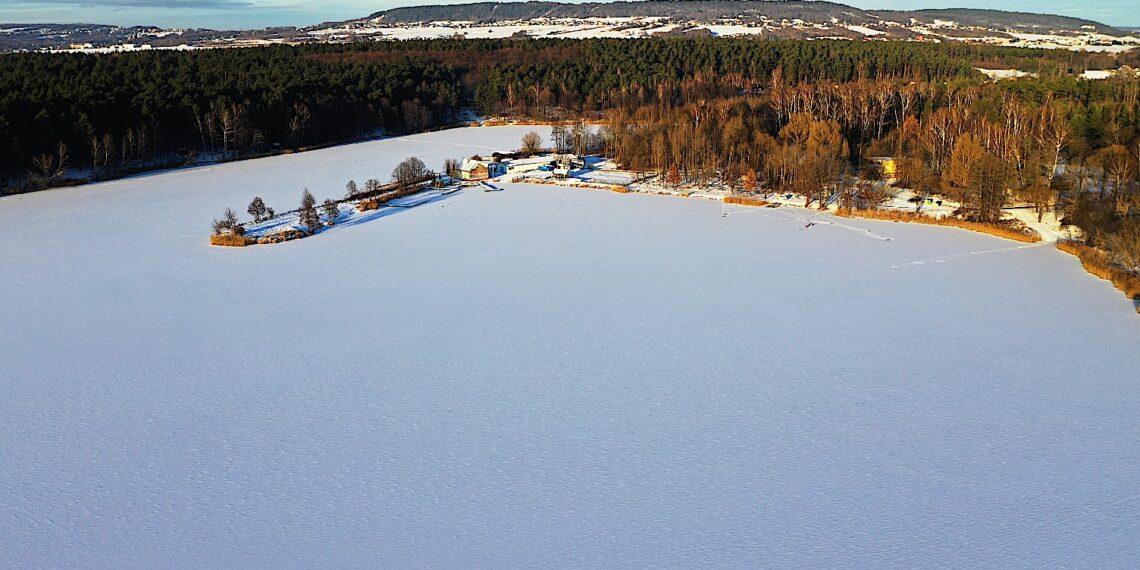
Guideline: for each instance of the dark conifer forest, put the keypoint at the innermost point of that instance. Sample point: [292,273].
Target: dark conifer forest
[115,113]
[784,114]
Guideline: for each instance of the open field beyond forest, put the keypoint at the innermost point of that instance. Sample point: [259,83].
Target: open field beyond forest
[549,377]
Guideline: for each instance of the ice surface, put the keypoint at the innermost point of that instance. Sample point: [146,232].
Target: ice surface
[545,377]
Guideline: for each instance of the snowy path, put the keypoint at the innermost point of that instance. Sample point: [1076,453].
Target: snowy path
[1048,228]
[542,378]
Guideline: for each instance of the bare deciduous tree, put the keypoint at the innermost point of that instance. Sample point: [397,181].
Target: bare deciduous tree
[531,143]
[579,136]
[451,167]
[409,172]
[561,139]
[228,224]
[96,146]
[49,168]
[299,119]
[512,97]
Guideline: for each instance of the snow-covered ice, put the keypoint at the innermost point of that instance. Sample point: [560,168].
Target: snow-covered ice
[547,377]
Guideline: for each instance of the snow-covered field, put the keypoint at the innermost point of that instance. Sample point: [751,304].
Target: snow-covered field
[546,377]
[640,27]
[1005,73]
[559,28]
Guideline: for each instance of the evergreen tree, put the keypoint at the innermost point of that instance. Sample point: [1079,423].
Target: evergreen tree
[307,215]
[257,209]
[332,211]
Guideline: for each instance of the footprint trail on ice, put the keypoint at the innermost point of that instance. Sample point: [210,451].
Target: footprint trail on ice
[954,256]
[808,221]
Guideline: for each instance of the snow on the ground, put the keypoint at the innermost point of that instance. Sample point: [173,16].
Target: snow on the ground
[1049,228]
[547,377]
[1004,73]
[865,30]
[606,176]
[661,29]
[561,28]
[935,207]
[1085,42]
[1097,73]
[642,27]
[726,30]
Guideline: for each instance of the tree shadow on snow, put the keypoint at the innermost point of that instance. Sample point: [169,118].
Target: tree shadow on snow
[382,212]
[348,217]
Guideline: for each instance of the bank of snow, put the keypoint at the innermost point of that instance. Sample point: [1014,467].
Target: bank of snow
[545,377]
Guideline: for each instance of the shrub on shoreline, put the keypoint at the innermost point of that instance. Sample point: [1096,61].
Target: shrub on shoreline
[365,205]
[281,236]
[1097,263]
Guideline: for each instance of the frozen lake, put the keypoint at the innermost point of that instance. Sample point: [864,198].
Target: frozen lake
[544,377]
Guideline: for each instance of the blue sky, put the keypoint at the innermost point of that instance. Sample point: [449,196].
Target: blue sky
[261,13]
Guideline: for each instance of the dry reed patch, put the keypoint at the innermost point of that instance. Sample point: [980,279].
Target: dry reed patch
[745,201]
[231,240]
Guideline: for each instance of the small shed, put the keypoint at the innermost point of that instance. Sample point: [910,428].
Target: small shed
[472,169]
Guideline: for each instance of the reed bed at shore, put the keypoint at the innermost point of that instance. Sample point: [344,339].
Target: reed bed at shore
[1097,262]
[746,201]
[231,240]
[1025,235]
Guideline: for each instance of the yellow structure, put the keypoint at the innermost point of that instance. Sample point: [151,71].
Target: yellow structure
[889,166]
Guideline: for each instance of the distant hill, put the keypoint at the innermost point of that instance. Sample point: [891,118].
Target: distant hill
[999,19]
[696,10]
[747,11]
[15,37]
[25,36]
[770,19]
